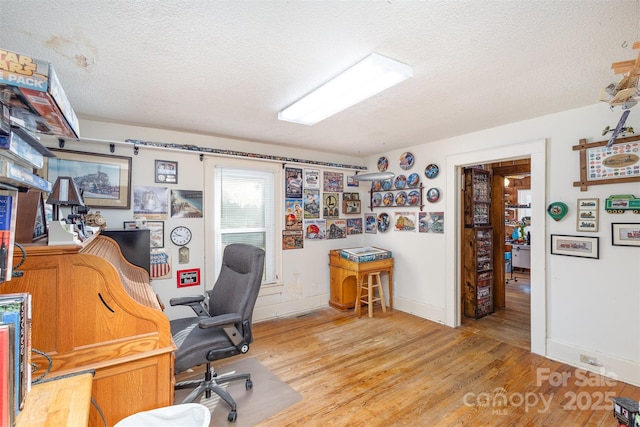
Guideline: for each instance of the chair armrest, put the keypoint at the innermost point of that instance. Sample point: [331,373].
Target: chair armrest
[186,300]
[193,301]
[222,320]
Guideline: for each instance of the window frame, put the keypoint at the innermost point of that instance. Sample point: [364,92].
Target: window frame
[210,221]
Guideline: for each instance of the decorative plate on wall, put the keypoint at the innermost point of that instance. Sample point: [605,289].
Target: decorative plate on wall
[383,164]
[414,197]
[406,160]
[433,195]
[400,181]
[377,199]
[401,198]
[383,222]
[388,199]
[413,180]
[387,184]
[431,171]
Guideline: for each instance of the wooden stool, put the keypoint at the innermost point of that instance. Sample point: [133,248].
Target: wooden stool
[365,293]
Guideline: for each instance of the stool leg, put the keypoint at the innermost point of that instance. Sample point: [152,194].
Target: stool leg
[370,296]
[358,306]
[381,293]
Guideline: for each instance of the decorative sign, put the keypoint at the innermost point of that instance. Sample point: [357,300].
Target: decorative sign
[587,215]
[557,210]
[160,264]
[188,277]
[600,164]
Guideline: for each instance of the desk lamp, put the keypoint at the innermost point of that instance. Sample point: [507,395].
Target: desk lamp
[64,193]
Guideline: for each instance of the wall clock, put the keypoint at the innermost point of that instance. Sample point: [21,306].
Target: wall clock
[180,235]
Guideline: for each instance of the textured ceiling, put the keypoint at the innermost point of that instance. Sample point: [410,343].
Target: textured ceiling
[227,68]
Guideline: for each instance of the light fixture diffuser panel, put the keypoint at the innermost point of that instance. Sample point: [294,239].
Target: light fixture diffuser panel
[366,78]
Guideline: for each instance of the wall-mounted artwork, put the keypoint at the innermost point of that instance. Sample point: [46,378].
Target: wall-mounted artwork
[370,223]
[311,202]
[293,214]
[292,240]
[151,202]
[186,204]
[587,219]
[354,226]
[616,164]
[431,222]
[333,181]
[312,179]
[330,205]
[625,234]
[315,229]
[105,179]
[293,183]
[578,246]
[405,221]
[166,172]
[336,228]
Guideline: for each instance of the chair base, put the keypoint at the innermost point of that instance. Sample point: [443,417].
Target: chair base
[211,383]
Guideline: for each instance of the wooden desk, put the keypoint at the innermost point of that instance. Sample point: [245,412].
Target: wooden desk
[60,402]
[345,274]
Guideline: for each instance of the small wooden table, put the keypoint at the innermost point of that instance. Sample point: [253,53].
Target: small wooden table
[59,402]
[345,274]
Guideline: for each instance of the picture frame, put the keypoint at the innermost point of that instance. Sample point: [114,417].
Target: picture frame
[166,172]
[603,164]
[351,206]
[587,217]
[625,234]
[576,246]
[129,225]
[104,179]
[156,229]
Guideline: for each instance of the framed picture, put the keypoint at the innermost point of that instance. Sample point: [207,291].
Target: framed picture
[587,218]
[600,164]
[157,233]
[129,225]
[578,246]
[104,179]
[351,206]
[625,234]
[166,172]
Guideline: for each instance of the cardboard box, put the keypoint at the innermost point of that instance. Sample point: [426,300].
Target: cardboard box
[32,84]
[365,254]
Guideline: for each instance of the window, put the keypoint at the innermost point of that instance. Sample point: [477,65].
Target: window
[244,209]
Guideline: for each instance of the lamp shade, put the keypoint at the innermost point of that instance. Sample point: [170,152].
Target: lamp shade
[65,193]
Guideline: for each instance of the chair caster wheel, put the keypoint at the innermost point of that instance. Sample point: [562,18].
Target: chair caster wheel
[233,415]
[248,385]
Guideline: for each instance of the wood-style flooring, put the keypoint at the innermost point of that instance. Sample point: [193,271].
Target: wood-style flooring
[396,369]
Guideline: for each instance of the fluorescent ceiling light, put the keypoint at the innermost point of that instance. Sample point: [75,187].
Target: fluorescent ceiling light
[371,75]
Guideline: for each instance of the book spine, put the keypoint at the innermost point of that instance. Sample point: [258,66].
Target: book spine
[8,214]
[5,390]
[11,315]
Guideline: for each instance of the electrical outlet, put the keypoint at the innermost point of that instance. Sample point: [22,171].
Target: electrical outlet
[590,360]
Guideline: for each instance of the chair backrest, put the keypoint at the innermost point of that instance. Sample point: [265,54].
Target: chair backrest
[238,283]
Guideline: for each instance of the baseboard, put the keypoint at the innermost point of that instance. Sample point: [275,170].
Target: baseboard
[429,312]
[608,365]
[289,308]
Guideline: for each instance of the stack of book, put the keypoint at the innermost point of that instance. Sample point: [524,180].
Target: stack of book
[15,355]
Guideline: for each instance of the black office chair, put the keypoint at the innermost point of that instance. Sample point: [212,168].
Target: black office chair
[224,330]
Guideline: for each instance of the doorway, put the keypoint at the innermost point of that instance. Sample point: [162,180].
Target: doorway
[536,152]
[510,213]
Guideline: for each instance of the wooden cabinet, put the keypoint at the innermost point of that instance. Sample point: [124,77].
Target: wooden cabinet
[83,318]
[345,274]
[477,197]
[478,272]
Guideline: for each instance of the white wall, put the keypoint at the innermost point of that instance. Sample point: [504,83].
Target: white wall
[587,306]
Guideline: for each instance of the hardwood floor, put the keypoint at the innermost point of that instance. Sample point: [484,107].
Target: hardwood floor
[511,324]
[398,369]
